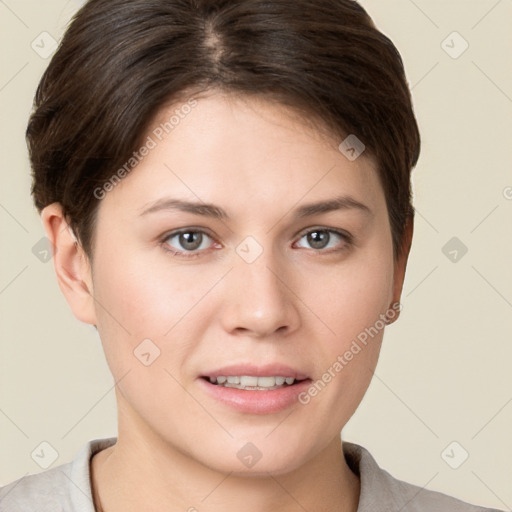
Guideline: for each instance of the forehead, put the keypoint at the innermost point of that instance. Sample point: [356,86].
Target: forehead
[241,152]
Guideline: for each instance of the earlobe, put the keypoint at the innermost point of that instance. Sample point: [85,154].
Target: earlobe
[71,264]
[401,264]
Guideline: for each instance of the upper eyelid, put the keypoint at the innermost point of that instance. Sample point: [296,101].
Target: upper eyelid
[176,232]
[340,232]
[172,234]
[337,231]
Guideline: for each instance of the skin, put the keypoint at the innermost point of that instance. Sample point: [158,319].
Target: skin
[295,304]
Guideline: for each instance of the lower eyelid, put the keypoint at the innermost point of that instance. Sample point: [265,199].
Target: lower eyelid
[345,237]
[171,235]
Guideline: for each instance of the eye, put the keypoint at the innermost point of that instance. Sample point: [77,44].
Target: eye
[190,242]
[186,241]
[321,238]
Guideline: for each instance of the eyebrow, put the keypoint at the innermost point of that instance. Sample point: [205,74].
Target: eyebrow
[213,211]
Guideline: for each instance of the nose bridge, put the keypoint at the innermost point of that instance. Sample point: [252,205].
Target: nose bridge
[260,301]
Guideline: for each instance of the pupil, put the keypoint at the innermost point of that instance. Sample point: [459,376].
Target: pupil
[191,240]
[318,239]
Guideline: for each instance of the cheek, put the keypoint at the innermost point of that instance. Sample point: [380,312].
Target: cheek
[138,299]
[350,301]
[352,297]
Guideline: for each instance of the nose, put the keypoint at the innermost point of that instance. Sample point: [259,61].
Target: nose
[259,299]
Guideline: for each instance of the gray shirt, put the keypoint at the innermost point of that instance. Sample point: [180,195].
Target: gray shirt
[67,488]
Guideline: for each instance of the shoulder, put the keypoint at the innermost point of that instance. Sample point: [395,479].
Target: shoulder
[46,490]
[381,491]
[59,489]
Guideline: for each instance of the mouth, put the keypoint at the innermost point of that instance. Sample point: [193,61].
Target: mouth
[252,389]
[253,382]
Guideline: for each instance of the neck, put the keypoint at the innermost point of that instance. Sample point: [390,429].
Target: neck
[143,472]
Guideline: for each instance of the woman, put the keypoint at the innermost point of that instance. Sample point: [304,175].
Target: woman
[227,188]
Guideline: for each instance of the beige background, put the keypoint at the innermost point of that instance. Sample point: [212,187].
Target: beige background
[444,372]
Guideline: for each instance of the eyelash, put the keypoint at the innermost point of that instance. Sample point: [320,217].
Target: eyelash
[346,237]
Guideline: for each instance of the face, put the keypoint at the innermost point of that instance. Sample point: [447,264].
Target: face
[252,281]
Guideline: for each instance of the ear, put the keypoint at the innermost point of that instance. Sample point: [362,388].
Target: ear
[401,264]
[71,264]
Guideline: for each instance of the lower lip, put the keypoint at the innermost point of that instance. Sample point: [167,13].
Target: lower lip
[254,401]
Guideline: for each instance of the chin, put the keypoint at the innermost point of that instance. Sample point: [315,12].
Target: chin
[275,463]
[243,455]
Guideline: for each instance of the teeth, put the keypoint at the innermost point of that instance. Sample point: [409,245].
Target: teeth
[252,382]
[248,381]
[266,382]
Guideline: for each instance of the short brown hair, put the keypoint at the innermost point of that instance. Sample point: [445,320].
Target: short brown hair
[120,61]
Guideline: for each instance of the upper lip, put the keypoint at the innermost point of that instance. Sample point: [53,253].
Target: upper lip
[268,370]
